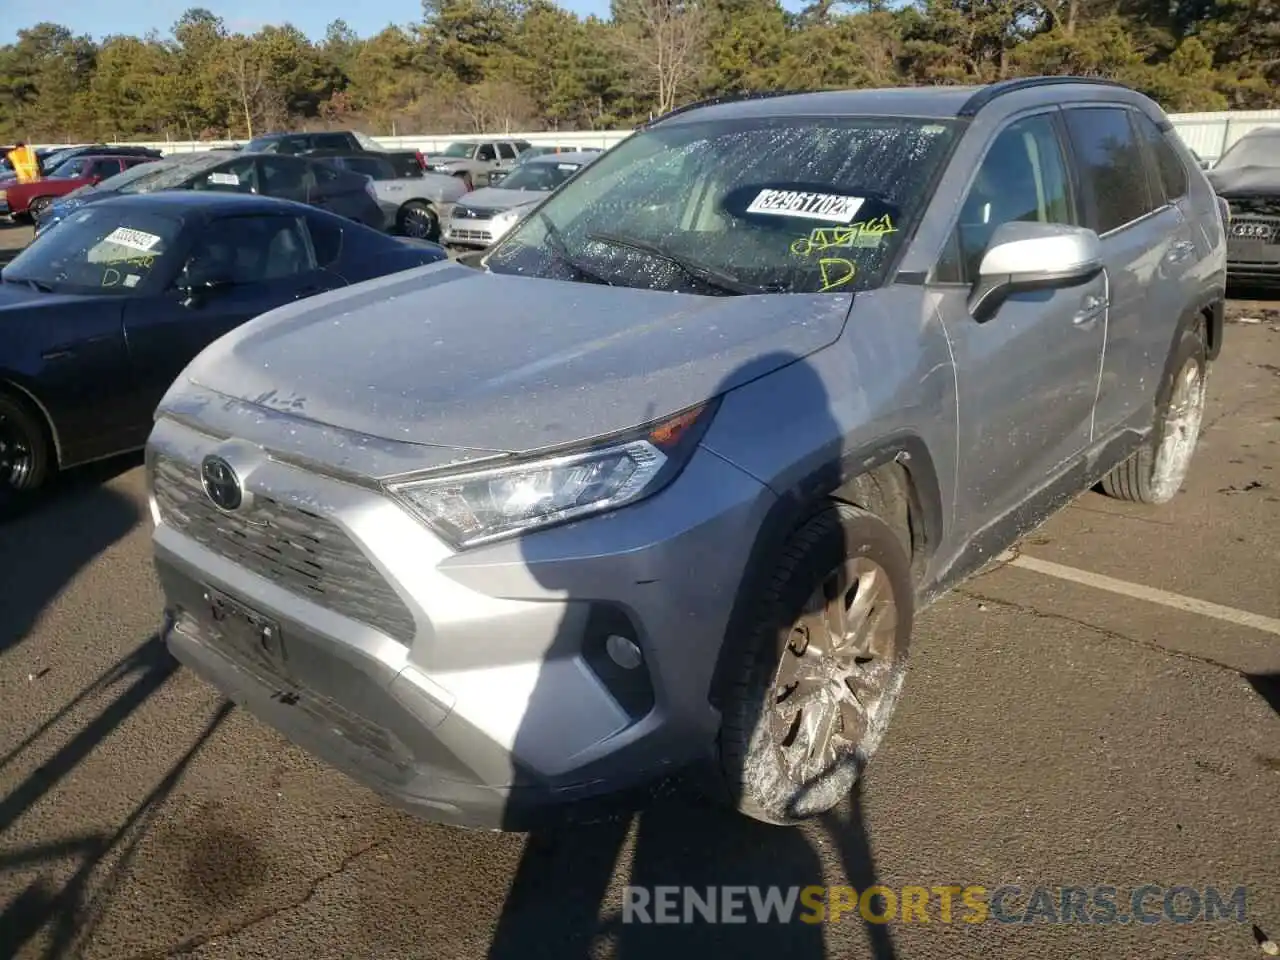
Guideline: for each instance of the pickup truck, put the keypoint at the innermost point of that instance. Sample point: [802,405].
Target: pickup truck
[332,142]
[474,160]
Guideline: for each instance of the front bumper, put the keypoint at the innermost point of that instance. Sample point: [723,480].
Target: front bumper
[1253,249]
[489,703]
[474,232]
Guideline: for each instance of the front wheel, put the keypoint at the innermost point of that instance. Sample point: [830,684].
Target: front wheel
[37,207]
[822,671]
[25,460]
[1156,471]
[419,221]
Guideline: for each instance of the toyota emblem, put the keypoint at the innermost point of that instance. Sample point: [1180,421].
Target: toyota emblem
[221,484]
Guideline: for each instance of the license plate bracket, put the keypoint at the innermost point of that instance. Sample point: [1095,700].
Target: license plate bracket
[248,634]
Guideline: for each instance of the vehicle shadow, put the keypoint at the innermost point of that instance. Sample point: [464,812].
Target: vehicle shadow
[1267,686]
[570,895]
[62,530]
[67,911]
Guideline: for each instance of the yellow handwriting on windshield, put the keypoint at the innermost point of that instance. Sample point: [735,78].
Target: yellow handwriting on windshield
[865,233]
[145,262]
[110,277]
[836,272]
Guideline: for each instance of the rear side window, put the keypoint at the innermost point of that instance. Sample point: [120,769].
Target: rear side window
[330,141]
[506,151]
[1169,167]
[1112,167]
[326,239]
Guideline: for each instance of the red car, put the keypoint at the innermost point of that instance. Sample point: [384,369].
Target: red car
[24,201]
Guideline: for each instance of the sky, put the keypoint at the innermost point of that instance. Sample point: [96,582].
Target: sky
[136,17]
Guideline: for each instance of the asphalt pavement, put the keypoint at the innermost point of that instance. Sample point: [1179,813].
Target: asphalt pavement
[1102,707]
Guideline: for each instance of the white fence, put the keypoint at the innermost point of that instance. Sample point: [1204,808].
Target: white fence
[1208,134]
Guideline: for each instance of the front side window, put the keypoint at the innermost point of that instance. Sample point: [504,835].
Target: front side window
[485,153]
[797,205]
[249,249]
[330,141]
[98,250]
[76,167]
[1023,177]
[1112,167]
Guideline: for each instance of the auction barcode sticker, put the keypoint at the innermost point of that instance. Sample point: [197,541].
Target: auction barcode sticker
[832,207]
[135,239]
[225,179]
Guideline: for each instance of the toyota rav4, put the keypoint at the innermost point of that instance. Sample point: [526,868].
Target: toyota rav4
[661,480]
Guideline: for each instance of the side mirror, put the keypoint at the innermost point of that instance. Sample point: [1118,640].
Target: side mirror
[1033,256]
[196,291]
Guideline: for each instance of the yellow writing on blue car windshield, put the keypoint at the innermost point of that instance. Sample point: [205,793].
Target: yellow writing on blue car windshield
[836,272]
[866,233]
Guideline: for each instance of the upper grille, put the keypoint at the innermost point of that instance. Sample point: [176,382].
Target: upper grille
[300,551]
[479,213]
[1254,206]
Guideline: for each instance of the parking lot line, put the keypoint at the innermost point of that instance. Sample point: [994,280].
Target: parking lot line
[1137,591]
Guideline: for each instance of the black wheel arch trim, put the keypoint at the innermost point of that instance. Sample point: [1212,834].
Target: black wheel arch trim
[11,386]
[810,494]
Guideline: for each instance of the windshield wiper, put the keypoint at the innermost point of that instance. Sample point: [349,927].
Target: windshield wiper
[562,253]
[711,276]
[37,285]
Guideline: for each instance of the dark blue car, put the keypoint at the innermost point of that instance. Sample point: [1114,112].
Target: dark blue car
[98,317]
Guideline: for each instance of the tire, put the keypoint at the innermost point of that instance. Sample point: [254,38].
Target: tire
[38,206]
[417,219]
[25,460]
[1155,472]
[764,770]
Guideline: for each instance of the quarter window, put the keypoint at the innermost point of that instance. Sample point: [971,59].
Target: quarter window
[1112,167]
[1169,166]
[1022,178]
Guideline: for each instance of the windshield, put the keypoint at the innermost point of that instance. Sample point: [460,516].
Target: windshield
[171,176]
[72,168]
[51,161]
[97,250]
[540,176]
[459,149]
[794,205]
[262,145]
[366,142]
[1252,152]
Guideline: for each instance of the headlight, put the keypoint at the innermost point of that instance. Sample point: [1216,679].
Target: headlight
[478,506]
[503,222]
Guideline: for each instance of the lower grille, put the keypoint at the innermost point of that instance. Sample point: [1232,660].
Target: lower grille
[299,551]
[482,236]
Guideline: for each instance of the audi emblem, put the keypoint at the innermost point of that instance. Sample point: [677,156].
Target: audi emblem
[1252,231]
[221,483]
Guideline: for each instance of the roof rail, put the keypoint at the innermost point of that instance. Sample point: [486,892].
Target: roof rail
[991,91]
[715,101]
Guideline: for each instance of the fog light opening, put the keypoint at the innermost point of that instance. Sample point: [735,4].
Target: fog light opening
[624,652]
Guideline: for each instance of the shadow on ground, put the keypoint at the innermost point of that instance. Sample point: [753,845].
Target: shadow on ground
[64,914]
[54,536]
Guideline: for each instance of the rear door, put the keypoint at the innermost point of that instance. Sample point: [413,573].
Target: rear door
[251,263]
[1143,246]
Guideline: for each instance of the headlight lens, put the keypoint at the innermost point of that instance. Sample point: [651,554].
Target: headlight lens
[480,506]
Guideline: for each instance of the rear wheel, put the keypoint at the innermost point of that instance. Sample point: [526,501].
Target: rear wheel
[1156,471]
[25,460]
[419,220]
[823,670]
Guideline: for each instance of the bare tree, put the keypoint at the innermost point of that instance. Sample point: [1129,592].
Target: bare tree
[664,41]
[248,76]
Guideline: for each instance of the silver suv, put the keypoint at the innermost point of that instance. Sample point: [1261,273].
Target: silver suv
[662,480]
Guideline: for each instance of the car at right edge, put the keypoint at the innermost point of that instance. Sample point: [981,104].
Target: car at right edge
[1248,178]
[662,479]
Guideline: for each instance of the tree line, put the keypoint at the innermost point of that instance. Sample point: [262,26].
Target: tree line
[506,65]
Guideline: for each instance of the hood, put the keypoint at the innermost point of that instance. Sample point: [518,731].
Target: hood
[452,357]
[1245,181]
[496,198]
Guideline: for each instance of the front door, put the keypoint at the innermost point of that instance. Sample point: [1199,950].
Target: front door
[1027,377]
[238,267]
